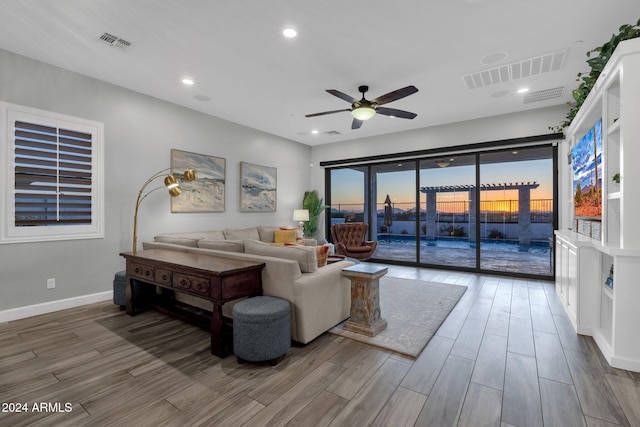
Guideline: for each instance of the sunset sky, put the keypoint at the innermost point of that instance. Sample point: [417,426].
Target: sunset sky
[348,185]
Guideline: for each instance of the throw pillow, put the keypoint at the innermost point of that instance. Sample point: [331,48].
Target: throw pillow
[321,253]
[284,236]
[242,234]
[266,233]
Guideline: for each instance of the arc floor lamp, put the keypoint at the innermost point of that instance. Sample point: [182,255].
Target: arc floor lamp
[170,182]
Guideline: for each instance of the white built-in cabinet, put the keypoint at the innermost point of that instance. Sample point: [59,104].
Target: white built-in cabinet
[610,315]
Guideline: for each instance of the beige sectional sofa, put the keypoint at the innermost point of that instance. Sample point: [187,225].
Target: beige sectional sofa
[320,297]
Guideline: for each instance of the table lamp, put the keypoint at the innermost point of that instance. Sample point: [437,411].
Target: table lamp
[300,215]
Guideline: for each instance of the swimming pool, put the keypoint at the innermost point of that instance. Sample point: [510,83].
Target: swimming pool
[462,243]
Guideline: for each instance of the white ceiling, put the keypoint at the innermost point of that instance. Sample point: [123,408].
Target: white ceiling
[245,71]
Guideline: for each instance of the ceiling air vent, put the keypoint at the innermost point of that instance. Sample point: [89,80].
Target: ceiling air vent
[116,41]
[535,66]
[332,132]
[542,95]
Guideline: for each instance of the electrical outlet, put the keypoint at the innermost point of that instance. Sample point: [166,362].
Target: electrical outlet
[51,283]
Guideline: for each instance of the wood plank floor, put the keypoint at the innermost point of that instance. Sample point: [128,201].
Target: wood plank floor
[506,356]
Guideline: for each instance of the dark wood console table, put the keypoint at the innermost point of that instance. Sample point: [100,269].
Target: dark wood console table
[216,279]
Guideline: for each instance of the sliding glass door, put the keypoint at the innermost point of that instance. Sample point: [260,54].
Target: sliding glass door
[447,199]
[489,211]
[348,191]
[394,191]
[516,211]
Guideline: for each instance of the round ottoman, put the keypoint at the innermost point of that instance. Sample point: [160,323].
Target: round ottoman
[120,283]
[261,329]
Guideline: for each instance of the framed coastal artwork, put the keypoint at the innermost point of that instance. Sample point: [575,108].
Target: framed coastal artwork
[206,192]
[258,188]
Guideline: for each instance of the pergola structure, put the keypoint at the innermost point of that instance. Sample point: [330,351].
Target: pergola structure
[524,207]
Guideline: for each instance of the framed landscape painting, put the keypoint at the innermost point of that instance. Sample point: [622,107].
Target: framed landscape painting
[258,188]
[206,192]
[587,174]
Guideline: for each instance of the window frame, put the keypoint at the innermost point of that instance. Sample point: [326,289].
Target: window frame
[9,232]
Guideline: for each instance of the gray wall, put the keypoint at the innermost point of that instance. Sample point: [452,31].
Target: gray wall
[140,131]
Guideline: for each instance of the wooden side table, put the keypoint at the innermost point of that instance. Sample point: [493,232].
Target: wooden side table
[365,299]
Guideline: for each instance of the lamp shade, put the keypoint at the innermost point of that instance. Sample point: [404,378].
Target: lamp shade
[363,113]
[170,182]
[301,215]
[189,175]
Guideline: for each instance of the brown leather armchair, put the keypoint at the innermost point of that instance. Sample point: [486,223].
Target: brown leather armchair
[349,240]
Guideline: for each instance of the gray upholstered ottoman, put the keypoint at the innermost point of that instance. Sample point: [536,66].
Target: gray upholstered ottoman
[120,282]
[120,289]
[261,329]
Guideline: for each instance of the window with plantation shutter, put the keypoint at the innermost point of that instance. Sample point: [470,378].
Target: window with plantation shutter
[54,178]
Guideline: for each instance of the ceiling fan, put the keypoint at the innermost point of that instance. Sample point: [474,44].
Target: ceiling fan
[364,109]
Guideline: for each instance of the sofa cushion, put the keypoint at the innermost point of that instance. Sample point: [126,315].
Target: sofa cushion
[176,239]
[222,245]
[284,236]
[266,234]
[250,233]
[213,235]
[304,255]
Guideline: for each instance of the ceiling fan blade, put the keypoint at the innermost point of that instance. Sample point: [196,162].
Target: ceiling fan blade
[355,124]
[396,113]
[395,95]
[342,95]
[327,112]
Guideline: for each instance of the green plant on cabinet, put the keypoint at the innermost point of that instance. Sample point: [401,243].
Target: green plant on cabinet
[598,58]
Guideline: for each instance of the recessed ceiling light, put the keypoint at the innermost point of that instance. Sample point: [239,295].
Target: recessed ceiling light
[523,90]
[500,94]
[187,81]
[289,33]
[494,58]
[315,131]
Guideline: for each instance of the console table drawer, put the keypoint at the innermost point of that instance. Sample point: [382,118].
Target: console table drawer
[164,277]
[192,284]
[142,271]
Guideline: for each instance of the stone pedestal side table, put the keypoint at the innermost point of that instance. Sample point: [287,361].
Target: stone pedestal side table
[365,299]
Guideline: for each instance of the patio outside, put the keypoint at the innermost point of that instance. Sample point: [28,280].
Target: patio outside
[451,244]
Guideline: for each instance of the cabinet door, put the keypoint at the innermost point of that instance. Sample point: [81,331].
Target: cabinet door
[562,269]
[572,283]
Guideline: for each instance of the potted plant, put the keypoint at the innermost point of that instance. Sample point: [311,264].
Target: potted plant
[598,58]
[313,203]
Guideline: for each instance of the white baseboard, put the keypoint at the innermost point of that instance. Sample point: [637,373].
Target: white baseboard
[50,307]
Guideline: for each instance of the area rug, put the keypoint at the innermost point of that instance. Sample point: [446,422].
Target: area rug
[413,309]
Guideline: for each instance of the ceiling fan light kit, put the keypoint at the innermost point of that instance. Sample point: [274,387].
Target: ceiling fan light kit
[364,109]
[443,163]
[363,113]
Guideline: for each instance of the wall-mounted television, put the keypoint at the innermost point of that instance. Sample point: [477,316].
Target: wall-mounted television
[586,159]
